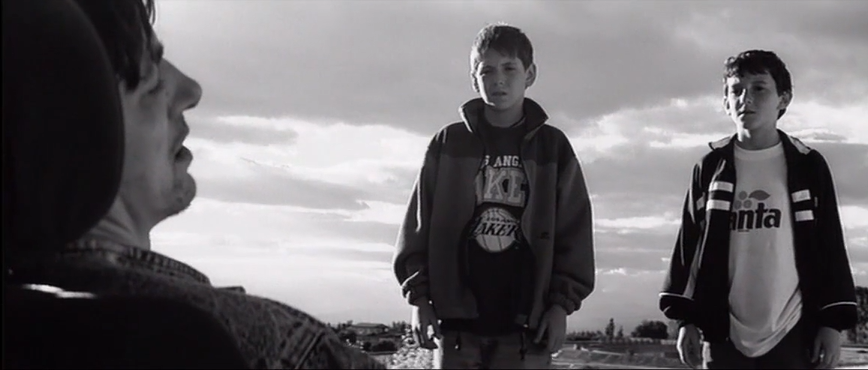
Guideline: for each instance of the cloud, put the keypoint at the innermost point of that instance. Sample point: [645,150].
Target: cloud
[849,166]
[804,35]
[325,166]
[225,130]
[269,185]
[247,226]
[355,63]
[854,217]
[642,222]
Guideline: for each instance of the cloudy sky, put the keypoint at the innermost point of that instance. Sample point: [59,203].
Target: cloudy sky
[315,116]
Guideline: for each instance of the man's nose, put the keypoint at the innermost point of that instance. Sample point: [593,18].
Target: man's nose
[190,93]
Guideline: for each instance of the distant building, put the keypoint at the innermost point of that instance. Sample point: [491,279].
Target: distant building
[368,329]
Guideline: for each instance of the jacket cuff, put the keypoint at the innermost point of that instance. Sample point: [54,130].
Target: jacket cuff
[419,300]
[415,295]
[567,304]
[839,316]
[679,308]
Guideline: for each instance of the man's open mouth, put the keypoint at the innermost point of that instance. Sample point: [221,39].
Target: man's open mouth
[183,154]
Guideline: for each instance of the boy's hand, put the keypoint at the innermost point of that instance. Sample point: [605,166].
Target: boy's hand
[690,346]
[423,317]
[827,348]
[554,321]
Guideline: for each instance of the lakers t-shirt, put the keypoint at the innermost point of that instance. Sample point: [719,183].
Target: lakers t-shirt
[495,246]
[765,301]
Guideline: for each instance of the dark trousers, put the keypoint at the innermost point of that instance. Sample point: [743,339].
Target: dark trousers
[465,350]
[793,352]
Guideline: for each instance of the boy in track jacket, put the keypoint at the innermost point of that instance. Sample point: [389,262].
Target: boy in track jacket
[760,270]
[496,248]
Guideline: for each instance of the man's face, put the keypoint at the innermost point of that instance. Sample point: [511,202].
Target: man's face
[752,101]
[501,80]
[155,183]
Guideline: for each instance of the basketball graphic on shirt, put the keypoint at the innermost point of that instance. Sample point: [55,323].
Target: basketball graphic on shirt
[496,230]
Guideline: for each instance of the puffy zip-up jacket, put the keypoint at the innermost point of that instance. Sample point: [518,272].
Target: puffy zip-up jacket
[696,290]
[556,222]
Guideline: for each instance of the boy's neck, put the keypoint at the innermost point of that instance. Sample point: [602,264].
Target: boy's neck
[757,140]
[504,118]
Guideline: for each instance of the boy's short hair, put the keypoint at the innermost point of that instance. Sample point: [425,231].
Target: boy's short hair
[759,62]
[506,39]
[125,28]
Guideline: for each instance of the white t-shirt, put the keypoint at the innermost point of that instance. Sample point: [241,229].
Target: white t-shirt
[765,301]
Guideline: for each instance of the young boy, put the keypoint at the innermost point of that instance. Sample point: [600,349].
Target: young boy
[760,266]
[496,247]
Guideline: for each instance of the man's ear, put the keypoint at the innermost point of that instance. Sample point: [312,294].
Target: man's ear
[725,105]
[531,75]
[474,83]
[786,98]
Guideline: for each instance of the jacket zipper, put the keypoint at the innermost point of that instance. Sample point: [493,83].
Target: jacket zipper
[522,148]
[468,229]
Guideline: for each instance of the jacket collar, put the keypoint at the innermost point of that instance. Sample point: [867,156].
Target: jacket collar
[534,114]
[791,144]
[122,256]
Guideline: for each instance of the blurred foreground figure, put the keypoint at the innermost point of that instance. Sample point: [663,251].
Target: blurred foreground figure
[81,193]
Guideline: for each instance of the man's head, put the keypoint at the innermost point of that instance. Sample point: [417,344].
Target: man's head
[501,65]
[756,89]
[154,95]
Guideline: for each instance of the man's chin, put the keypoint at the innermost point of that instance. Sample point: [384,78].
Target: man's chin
[185,195]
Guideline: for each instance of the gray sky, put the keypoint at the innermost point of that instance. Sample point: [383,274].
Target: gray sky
[315,116]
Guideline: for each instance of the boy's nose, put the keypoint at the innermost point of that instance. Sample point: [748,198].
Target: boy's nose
[746,98]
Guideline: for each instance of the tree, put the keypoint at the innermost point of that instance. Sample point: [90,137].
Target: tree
[620,331]
[859,334]
[348,336]
[343,325]
[384,346]
[399,326]
[651,329]
[584,335]
[610,328]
